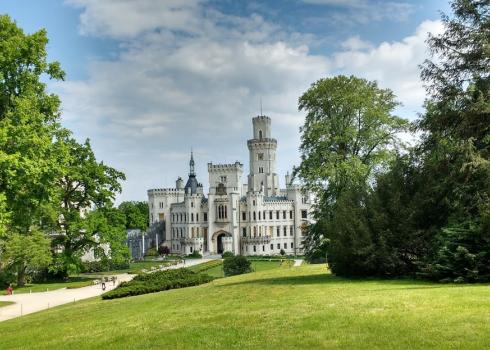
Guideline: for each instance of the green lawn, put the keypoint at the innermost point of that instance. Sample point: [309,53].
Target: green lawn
[5,303]
[281,308]
[257,266]
[73,282]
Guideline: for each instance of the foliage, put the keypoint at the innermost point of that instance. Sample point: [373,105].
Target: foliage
[456,142]
[157,282]
[236,265]
[206,266]
[136,214]
[349,135]
[227,254]
[282,252]
[151,252]
[163,250]
[26,252]
[195,254]
[103,265]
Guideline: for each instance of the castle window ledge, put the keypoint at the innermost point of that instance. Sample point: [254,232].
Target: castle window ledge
[256,240]
[191,241]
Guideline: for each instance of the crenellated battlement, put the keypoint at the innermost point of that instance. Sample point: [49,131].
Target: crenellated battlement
[225,167]
[165,191]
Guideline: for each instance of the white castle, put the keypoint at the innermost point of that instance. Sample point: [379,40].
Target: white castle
[257,218]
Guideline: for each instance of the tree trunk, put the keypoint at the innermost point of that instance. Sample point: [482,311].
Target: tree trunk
[21,273]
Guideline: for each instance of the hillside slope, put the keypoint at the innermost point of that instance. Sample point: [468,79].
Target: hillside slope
[291,308]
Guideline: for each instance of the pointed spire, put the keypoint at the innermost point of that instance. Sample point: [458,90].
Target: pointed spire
[191,165]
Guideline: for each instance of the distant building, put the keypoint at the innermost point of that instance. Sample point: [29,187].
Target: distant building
[257,218]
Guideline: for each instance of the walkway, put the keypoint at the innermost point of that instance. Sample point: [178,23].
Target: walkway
[26,303]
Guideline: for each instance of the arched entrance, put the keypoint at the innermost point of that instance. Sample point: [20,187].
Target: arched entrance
[220,243]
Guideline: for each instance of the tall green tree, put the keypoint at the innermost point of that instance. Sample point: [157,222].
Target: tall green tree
[456,143]
[29,122]
[85,184]
[349,134]
[136,213]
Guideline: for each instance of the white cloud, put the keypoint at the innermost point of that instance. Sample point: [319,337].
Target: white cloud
[192,76]
[394,65]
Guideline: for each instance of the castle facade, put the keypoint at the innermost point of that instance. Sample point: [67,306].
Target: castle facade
[256,218]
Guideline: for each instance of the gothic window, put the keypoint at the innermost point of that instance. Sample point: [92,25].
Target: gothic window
[192,204]
[284,214]
[244,215]
[284,229]
[255,217]
[277,215]
[192,217]
[255,248]
[260,156]
[263,248]
[255,231]
[285,246]
[259,215]
[304,214]
[292,245]
[272,246]
[205,216]
[260,134]
[290,214]
[270,215]
[278,231]
[223,179]
[290,230]
[197,217]
[261,171]
[244,232]
[221,189]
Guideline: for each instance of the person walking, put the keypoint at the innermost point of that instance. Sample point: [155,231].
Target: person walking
[10,289]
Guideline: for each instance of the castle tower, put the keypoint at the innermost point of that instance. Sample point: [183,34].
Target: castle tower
[262,149]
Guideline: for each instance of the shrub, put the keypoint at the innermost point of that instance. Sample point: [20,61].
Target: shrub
[282,252]
[195,254]
[236,265]
[206,266]
[151,252]
[100,266]
[157,282]
[227,254]
[163,250]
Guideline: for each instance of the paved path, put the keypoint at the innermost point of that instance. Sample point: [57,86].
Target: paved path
[26,303]
[297,262]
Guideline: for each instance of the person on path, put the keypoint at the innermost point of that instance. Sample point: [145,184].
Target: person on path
[10,290]
[103,285]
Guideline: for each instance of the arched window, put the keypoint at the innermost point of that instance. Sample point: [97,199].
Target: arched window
[260,134]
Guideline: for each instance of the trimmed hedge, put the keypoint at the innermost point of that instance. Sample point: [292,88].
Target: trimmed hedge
[157,282]
[236,265]
[206,266]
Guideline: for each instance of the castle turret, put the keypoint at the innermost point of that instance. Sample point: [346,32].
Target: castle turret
[262,148]
[179,184]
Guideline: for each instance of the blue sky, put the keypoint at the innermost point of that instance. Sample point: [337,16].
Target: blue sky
[147,80]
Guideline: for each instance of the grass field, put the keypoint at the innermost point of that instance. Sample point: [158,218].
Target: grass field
[5,303]
[73,282]
[281,308]
[257,266]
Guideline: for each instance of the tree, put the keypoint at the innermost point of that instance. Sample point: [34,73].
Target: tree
[29,122]
[136,214]
[83,184]
[349,134]
[26,252]
[456,143]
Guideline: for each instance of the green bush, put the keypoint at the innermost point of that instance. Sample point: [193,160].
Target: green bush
[227,255]
[236,265]
[103,265]
[151,252]
[195,254]
[157,282]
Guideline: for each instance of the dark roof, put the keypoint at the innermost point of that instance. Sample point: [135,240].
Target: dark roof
[192,184]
